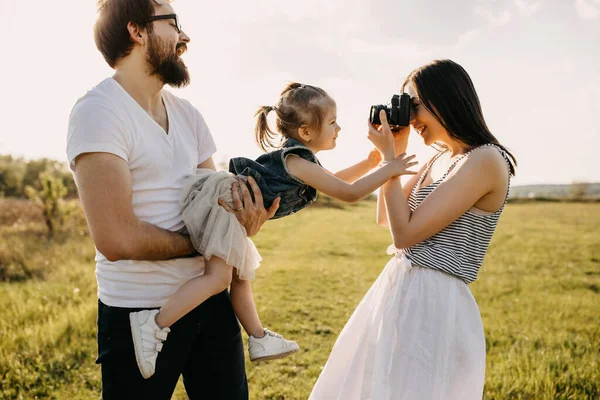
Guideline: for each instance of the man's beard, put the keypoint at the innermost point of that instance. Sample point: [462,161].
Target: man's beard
[165,63]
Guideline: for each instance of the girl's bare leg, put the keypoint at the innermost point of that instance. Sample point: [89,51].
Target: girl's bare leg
[216,278]
[262,343]
[244,307]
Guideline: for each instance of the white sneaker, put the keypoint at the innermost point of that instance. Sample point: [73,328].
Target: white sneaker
[270,346]
[147,340]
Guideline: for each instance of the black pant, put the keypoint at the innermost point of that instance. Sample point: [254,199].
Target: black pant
[205,346]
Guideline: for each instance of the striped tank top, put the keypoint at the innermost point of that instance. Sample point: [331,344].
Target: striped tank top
[459,248]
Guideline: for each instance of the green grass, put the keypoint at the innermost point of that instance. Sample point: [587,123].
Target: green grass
[538,292]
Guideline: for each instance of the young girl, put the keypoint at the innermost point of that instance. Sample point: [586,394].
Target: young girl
[306,124]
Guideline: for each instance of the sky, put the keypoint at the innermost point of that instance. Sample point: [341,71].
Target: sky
[534,63]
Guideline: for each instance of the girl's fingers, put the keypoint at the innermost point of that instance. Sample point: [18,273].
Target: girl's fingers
[412,164]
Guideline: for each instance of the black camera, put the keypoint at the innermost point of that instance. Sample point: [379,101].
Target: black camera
[398,113]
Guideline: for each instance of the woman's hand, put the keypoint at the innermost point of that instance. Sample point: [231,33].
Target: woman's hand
[382,138]
[251,214]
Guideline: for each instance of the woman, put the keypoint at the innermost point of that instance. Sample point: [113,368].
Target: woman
[417,334]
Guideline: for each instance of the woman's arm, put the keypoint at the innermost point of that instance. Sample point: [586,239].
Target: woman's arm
[400,140]
[382,218]
[474,177]
[359,169]
[315,176]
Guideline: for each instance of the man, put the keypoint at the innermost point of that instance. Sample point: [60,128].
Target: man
[131,144]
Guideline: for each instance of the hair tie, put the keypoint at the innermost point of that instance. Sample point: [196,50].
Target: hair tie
[273,108]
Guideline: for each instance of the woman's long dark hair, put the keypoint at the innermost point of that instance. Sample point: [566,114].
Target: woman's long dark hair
[446,90]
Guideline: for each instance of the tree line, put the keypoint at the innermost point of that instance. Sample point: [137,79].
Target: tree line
[16,174]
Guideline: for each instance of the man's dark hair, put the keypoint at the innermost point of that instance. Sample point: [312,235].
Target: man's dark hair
[110,31]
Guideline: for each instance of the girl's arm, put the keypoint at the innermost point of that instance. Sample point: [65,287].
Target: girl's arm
[357,170]
[317,177]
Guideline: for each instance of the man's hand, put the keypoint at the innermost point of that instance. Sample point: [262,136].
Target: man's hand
[251,214]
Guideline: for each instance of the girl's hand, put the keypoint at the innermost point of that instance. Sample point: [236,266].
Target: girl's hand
[374,158]
[383,138]
[401,164]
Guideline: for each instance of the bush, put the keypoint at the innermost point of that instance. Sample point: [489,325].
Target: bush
[16,174]
[50,198]
[12,265]
[578,190]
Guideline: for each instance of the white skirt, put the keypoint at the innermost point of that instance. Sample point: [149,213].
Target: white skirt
[214,231]
[416,335]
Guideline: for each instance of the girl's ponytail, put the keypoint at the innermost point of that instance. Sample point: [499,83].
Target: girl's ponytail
[298,105]
[291,86]
[265,137]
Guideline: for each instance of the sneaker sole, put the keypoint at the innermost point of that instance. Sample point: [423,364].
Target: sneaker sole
[136,335]
[273,357]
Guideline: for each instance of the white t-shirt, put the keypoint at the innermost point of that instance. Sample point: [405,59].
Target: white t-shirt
[107,119]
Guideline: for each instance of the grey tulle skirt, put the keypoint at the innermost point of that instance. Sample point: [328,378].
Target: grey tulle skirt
[213,230]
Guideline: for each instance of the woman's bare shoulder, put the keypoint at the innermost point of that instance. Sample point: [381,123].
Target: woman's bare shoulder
[489,160]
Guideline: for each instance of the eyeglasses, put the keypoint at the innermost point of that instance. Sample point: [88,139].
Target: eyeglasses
[167,16]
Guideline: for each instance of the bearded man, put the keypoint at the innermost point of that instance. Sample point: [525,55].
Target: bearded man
[130,145]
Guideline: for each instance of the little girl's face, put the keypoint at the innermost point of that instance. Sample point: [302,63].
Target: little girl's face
[326,138]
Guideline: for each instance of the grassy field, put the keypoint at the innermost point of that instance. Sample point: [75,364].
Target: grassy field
[538,293]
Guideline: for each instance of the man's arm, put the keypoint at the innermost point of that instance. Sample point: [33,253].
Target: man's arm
[104,185]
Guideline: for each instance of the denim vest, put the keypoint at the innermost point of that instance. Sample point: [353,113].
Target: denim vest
[273,178]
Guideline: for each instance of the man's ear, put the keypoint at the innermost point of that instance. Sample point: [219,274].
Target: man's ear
[137,34]
[304,133]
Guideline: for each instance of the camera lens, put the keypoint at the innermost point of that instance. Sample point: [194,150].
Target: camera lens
[374,117]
